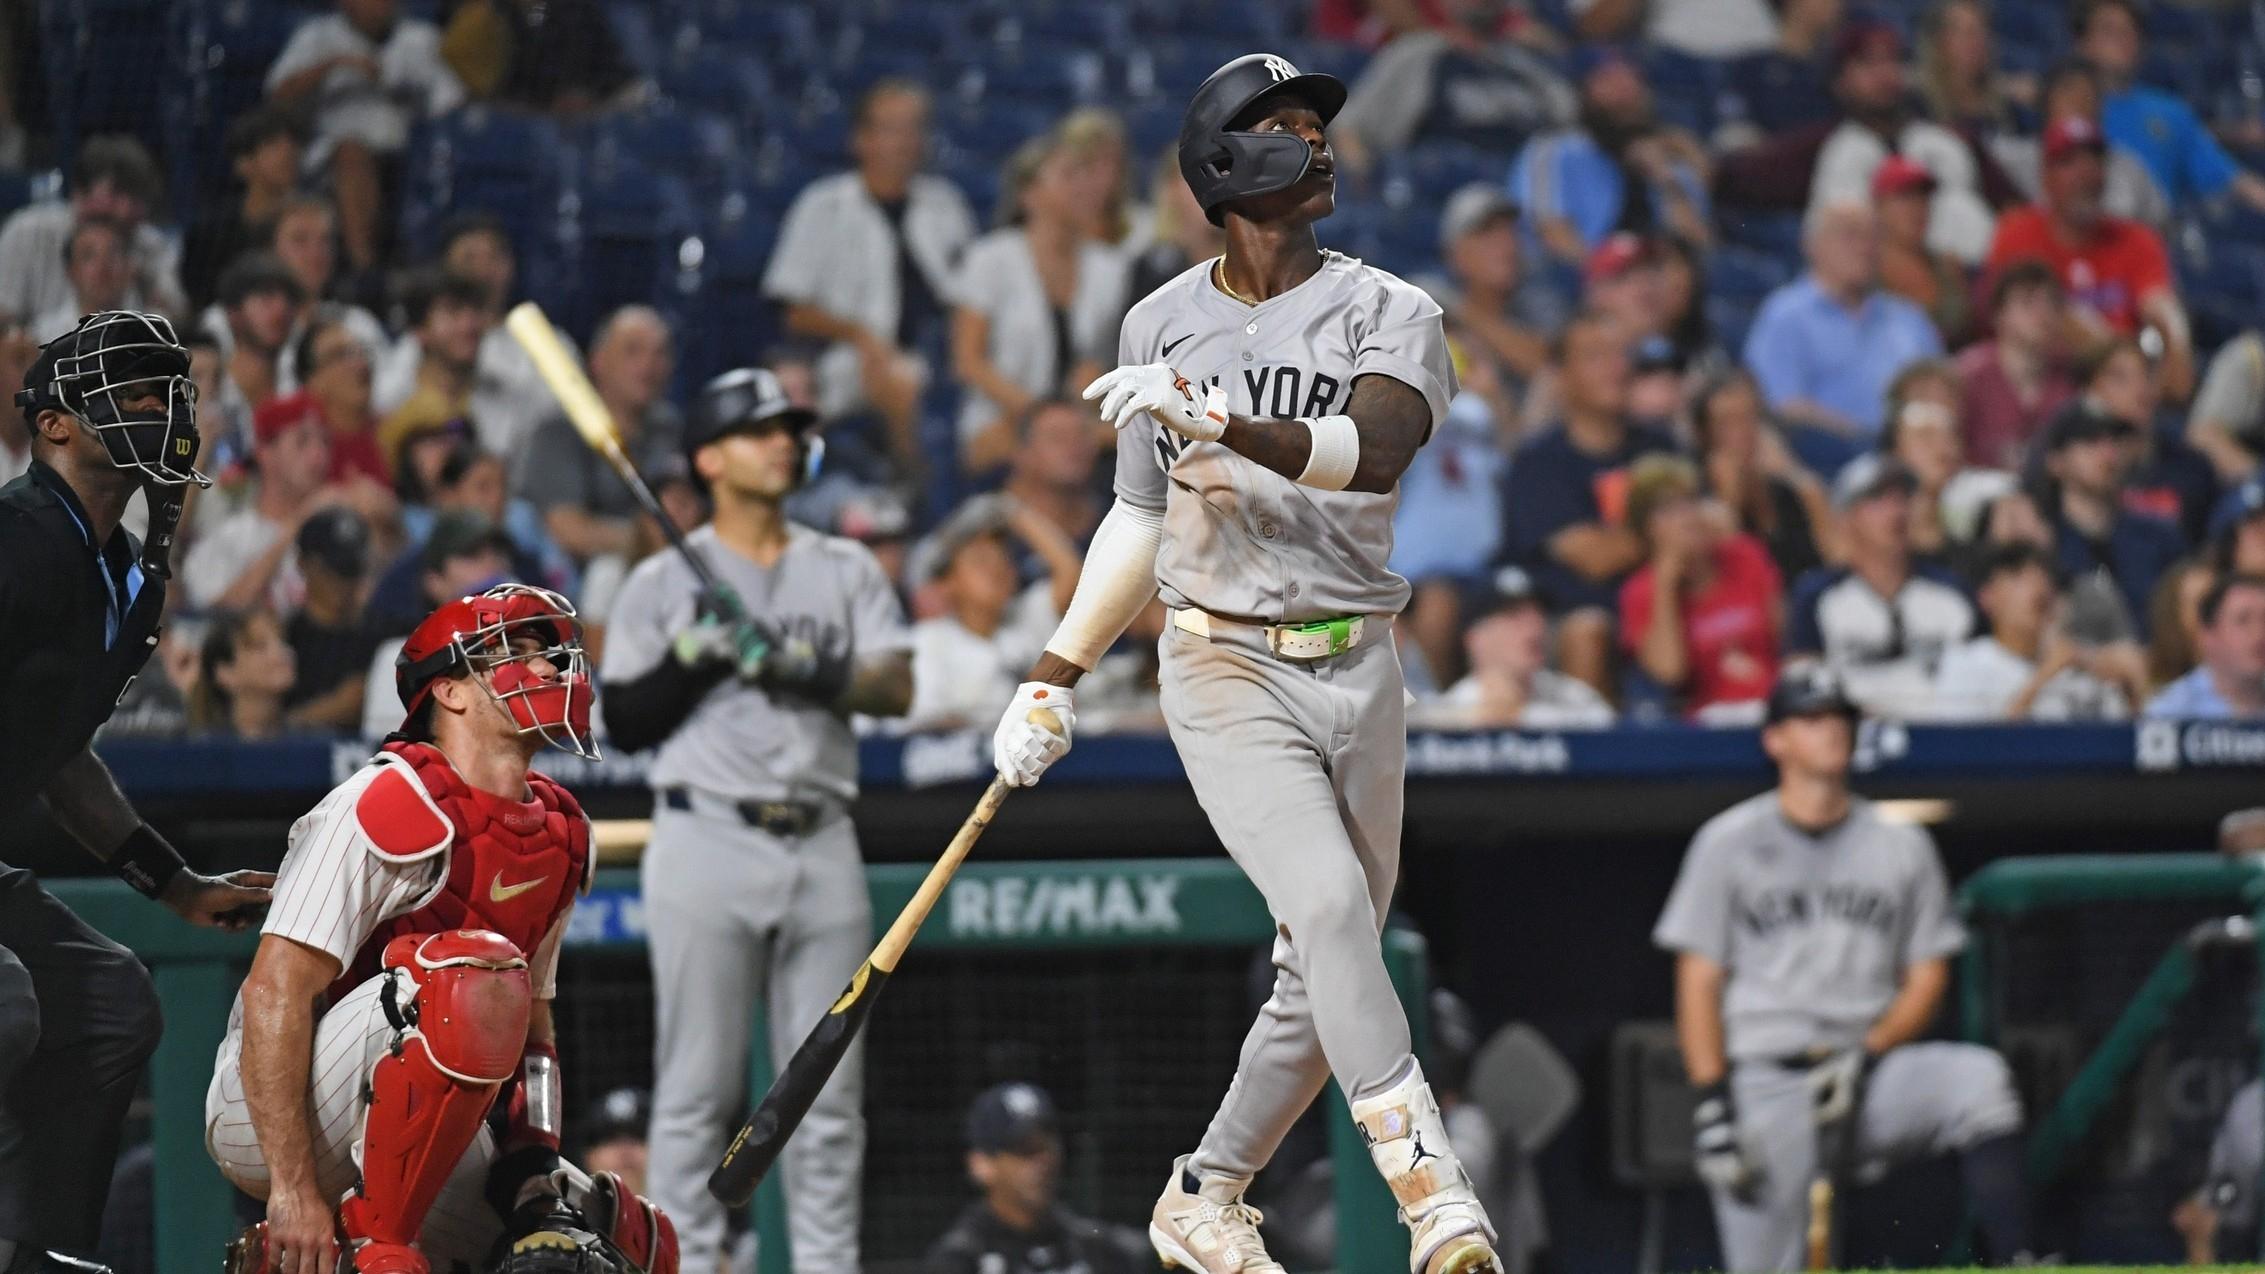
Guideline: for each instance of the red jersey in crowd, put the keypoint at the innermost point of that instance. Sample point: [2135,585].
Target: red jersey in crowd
[2111,272]
[1729,626]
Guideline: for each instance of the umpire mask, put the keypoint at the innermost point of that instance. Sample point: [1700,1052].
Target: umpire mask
[125,376]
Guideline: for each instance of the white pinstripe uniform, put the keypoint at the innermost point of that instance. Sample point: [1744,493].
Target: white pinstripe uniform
[332,892]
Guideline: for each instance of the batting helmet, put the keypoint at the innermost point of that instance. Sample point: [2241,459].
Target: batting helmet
[743,399]
[478,631]
[110,360]
[1808,688]
[1221,162]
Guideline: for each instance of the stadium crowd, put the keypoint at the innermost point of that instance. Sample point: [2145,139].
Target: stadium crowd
[1875,345]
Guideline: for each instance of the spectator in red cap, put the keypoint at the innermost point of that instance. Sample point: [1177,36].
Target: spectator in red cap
[2116,272]
[249,559]
[2073,87]
[1903,192]
[2012,383]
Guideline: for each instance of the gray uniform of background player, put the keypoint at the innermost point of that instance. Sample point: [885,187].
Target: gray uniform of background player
[1299,765]
[735,917]
[1814,934]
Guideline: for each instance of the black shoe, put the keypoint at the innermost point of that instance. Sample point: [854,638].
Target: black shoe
[33,1260]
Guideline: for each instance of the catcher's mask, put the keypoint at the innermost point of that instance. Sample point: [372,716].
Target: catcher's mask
[478,633]
[125,376]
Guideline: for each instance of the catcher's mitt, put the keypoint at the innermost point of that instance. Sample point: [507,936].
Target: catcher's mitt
[545,1236]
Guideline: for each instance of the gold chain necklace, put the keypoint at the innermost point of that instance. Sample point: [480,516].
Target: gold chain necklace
[1219,273]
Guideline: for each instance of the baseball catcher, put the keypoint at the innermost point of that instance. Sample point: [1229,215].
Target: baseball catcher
[403,980]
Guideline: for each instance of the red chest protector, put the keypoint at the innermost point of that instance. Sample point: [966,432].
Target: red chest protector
[514,867]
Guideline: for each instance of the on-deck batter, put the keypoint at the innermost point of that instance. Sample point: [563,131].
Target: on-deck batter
[1812,942]
[754,891]
[1266,405]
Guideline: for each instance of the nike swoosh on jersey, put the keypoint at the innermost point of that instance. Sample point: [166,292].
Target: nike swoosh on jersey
[1167,351]
[500,892]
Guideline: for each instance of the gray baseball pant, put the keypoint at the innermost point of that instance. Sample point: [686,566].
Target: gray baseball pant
[1921,1100]
[1300,767]
[735,917]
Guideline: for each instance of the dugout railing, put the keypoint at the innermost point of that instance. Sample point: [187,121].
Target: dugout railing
[1022,908]
[2099,975]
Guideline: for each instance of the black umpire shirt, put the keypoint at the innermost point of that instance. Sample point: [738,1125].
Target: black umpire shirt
[76,626]
[1064,1243]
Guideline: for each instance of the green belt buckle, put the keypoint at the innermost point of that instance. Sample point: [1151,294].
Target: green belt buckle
[1340,632]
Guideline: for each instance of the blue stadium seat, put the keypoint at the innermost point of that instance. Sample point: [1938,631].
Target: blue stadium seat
[634,30]
[1685,88]
[729,319]
[700,149]
[511,164]
[623,232]
[1746,275]
[719,81]
[1775,233]
[103,66]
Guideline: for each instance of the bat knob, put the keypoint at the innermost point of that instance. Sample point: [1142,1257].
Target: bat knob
[1045,719]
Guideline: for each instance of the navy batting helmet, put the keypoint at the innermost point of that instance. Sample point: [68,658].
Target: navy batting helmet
[1808,688]
[745,398]
[1221,162]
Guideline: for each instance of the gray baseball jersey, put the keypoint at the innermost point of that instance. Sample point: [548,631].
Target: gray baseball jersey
[742,742]
[1240,539]
[1814,931]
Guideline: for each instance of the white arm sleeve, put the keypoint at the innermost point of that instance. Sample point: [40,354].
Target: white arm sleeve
[1119,578]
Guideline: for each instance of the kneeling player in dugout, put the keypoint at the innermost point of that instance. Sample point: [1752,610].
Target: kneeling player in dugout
[403,981]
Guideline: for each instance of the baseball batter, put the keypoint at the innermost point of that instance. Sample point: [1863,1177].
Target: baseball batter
[1813,943]
[753,887]
[1266,404]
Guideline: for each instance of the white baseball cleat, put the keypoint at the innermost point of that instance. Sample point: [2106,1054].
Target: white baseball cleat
[1448,1229]
[1209,1232]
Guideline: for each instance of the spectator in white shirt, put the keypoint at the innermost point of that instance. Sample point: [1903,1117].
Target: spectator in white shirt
[98,261]
[508,398]
[258,302]
[1883,621]
[1037,302]
[111,177]
[305,239]
[866,259]
[988,627]
[1700,28]
[2027,668]
[250,558]
[1510,684]
[366,75]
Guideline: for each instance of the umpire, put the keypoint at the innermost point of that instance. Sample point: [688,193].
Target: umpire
[111,410]
[1812,940]
[753,888]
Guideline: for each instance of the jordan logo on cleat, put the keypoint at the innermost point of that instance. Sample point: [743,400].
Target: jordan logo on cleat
[1421,1153]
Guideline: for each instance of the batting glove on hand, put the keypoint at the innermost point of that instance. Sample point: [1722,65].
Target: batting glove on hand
[1022,748]
[800,666]
[722,632]
[1718,1156]
[1835,1084]
[1181,405]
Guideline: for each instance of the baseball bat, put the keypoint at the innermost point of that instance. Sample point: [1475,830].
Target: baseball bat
[587,413]
[752,1152]
[1836,1152]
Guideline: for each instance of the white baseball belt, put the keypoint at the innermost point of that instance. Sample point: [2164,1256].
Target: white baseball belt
[1319,639]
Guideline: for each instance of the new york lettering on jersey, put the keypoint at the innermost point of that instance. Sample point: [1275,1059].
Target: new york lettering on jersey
[1240,539]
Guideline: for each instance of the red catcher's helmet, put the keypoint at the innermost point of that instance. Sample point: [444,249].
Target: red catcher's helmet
[478,632]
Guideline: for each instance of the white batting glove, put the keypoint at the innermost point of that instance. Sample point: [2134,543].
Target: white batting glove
[1022,748]
[1186,408]
[1835,1085]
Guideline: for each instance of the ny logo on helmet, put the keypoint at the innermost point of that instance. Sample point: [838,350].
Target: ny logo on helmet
[1280,68]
